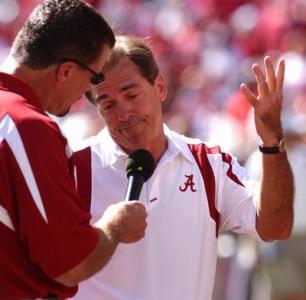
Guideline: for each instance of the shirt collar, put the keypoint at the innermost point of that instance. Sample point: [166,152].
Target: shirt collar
[15,85]
[111,152]
[179,142]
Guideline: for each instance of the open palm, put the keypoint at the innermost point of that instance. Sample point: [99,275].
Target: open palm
[267,104]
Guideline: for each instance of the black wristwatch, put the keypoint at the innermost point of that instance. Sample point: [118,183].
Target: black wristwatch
[279,148]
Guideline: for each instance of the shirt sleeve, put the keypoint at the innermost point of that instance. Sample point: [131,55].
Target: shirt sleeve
[236,197]
[51,220]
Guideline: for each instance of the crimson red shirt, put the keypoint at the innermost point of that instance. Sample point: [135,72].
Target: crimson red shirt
[44,230]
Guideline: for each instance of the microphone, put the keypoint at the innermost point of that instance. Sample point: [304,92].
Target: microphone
[139,167]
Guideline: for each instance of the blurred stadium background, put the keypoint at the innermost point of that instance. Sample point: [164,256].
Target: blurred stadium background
[205,49]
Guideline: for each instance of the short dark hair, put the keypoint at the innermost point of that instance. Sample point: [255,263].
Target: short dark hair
[60,29]
[135,49]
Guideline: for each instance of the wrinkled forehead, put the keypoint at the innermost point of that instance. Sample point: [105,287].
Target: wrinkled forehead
[121,77]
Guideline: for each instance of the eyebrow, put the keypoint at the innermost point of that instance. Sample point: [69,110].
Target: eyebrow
[122,89]
[129,86]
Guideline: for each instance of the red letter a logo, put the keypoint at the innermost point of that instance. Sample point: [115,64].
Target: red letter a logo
[188,183]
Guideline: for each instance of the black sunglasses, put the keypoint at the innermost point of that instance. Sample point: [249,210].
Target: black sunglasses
[96,78]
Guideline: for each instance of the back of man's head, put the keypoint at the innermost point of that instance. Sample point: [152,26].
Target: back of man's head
[58,30]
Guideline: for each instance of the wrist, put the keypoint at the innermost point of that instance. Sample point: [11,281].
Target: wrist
[271,142]
[273,147]
[108,230]
[271,139]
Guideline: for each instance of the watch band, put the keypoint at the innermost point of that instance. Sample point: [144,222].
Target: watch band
[279,148]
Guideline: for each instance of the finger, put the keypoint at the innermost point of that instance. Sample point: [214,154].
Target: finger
[280,74]
[248,94]
[134,203]
[262,85]
[139,206]
[271,79]
[139,209]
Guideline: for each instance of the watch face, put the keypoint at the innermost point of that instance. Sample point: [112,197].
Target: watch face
[282,145]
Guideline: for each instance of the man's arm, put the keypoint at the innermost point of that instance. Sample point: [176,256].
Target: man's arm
[275,209]
[124,222]
[274,218]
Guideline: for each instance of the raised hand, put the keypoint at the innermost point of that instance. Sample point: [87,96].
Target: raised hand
[267,104]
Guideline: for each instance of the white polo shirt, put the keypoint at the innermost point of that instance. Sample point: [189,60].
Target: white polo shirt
[176,260]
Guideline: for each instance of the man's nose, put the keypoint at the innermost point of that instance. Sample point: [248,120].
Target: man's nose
[123,112]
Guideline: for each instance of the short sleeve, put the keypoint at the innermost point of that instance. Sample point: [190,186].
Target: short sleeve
[236,197]
[47,211]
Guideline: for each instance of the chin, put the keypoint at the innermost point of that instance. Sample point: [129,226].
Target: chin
[62,114]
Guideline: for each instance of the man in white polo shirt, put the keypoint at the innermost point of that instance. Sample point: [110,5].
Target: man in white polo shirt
[195,191]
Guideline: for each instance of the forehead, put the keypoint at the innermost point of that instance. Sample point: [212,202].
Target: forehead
[124,71]
[118,78]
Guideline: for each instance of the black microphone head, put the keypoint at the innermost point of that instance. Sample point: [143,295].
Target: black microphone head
[140,162]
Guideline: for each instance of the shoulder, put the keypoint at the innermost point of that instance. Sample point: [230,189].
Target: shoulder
[85,150]
[24,115]
[87,143]
[34,129]
[195,145]
[40,129]
[205,154]
[82,152]
[100,147]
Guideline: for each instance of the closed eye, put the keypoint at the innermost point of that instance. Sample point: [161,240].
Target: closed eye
[132,96]
[105,106]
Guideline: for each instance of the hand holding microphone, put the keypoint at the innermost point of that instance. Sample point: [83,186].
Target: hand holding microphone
[124,222]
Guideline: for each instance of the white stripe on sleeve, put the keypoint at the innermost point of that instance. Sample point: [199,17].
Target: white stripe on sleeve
[9,132]
[5,218]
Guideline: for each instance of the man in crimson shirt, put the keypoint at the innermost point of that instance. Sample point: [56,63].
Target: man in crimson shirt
[47,245]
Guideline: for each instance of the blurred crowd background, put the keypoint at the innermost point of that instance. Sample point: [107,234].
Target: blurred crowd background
[205,49]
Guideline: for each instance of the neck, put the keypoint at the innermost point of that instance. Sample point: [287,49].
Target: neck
[159,149]
[37,80]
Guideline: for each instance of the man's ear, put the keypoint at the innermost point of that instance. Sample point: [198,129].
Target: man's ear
[64,71]
[161,85]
